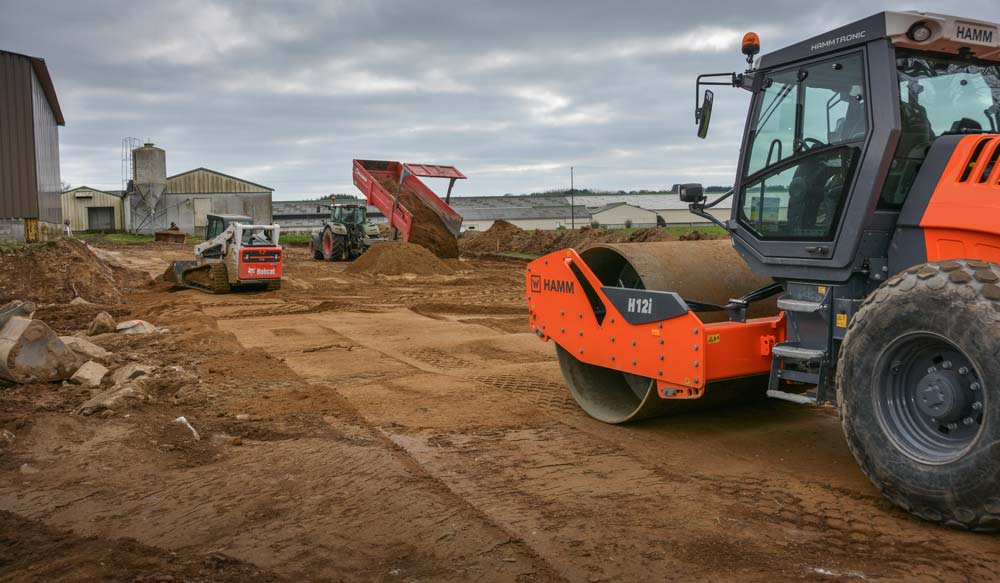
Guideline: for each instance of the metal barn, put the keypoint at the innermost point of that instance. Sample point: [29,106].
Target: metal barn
[30,188]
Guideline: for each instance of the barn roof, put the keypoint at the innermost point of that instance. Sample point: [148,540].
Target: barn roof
[207,181]
[42,72]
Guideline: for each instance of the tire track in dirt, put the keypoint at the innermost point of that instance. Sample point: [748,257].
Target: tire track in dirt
[568,477]
[359,512]
[649,501]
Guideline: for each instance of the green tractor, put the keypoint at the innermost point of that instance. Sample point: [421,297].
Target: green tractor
[346,234]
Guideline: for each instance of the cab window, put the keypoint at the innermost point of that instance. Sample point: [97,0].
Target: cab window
[937,96]
[808,126]
[214,228]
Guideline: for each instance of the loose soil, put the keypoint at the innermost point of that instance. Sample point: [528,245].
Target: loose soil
[398,259]
[503,237]
[59,271]
[414,429]
[427,229]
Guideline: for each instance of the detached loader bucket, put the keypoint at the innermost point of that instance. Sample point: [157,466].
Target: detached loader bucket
[29,350]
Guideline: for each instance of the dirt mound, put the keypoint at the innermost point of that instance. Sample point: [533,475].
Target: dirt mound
[697,236]
[427,229]
[56,272]
[504,237]
[397,259]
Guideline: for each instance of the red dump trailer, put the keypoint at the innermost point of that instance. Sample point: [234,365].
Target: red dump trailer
[379,181]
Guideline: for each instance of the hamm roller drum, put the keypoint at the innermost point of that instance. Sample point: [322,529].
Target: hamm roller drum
[706,271]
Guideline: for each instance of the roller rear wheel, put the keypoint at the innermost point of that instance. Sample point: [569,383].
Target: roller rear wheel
[918,392]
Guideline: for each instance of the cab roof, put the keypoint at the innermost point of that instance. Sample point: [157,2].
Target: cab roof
[949,34]
[231,218]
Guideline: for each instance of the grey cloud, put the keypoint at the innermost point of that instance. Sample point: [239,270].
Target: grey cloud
[287,93]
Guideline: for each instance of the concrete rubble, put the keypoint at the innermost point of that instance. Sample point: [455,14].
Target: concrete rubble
[113,398]
[135,327]
[130,372]
[86,349]
[90,374]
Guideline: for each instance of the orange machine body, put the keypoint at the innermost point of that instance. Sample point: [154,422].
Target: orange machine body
[962,218]
[682,354]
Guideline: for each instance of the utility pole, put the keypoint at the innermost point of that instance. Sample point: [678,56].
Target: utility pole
[572,203]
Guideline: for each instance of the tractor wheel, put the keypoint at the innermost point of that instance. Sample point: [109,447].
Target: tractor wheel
[919,389]
[219,276]
[316,253]
[333,246]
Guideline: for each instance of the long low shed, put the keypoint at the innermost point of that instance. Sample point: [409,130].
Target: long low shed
[90,209]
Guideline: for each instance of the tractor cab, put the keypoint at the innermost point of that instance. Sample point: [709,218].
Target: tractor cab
[349,214]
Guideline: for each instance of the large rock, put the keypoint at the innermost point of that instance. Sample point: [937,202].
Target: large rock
[130,372]
[103,324]
[117,397]
[90,374]
[86,349]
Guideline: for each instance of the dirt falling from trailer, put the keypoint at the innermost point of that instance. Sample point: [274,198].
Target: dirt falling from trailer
[427,229]
[397,259]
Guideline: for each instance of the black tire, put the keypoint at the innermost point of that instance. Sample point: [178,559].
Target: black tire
[918,357]
[334,247]
[219,276]
[317,254]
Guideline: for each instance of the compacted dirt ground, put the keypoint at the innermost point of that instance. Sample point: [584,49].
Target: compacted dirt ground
[371,428]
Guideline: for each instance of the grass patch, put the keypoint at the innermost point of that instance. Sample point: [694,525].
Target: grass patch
[294,239]
[126,238]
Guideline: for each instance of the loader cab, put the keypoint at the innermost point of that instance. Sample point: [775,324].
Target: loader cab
[219,223]
[838,127]
[256,237]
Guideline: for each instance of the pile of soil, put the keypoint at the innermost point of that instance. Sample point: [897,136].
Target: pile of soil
[397,259]
[427,229]
[55,272]
[504,237]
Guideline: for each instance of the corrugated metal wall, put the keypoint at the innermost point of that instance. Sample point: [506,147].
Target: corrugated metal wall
[46,156]
[76,202]
[18,177]
[202,181]
[181,210]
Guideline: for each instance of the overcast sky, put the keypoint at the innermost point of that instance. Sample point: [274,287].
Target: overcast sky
[512,93]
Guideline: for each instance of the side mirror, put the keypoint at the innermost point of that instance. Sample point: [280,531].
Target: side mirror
[705,113]
[691,193]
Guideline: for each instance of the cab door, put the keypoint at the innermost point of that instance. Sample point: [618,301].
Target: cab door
[808,127]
